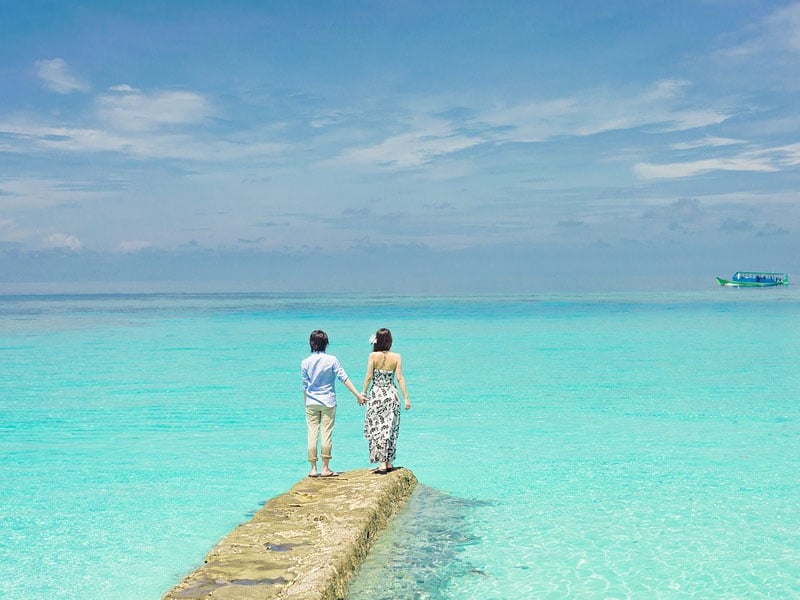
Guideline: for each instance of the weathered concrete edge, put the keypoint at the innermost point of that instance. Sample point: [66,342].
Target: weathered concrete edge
[330,551]
[333,585]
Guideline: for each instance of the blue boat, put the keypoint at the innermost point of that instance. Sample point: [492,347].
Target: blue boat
[755,279]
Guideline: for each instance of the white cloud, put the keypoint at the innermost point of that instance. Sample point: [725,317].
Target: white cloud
[664,89]
[764,160]
[661,106]
[129,109]
[131,246]
[414,148]
[778,32]
[788,155]
[62,240]
[784,27]
[138,144]
[708,141]
[600,111]
[698,167]
[535,121]
[682,120]
[56,76]
[10,231]
[33,194]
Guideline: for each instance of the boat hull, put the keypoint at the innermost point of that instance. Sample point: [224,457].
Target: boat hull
[729,283]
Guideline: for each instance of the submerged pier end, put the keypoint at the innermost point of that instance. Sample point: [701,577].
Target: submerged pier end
[304,544]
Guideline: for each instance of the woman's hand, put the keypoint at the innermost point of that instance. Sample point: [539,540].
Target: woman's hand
[408,404]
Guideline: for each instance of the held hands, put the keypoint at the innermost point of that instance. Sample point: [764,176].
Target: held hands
[362,399]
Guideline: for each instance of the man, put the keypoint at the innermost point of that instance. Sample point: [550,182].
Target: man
[320,371]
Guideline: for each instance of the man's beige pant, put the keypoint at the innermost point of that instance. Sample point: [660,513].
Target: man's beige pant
[320,420]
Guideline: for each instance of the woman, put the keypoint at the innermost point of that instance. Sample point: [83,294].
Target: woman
[382,422]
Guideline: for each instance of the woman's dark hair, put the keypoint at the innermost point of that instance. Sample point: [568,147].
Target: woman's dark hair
[383,340]
[318,340]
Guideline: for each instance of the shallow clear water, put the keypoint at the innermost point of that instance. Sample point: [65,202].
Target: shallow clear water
[591,446]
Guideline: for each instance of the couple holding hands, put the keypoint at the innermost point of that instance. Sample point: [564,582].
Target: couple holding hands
[382,421]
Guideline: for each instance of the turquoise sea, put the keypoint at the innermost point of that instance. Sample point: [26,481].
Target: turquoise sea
[641,445]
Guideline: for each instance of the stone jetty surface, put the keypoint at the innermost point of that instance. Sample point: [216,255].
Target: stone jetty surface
[304,544]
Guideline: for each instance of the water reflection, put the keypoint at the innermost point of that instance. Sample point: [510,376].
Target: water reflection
[420,552]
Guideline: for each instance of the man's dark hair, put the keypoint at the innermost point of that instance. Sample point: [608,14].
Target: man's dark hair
[318,340]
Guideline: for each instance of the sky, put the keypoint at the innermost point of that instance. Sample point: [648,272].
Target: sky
[398,146]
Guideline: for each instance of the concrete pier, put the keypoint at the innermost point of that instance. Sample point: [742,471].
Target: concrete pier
[304,544]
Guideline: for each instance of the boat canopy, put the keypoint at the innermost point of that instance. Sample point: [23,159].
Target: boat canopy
[759,277]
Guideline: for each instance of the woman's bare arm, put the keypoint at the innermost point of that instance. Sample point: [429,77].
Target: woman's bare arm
[368,376]
[401,381]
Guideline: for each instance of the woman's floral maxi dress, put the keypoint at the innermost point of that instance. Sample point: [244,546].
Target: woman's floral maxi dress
[382,421]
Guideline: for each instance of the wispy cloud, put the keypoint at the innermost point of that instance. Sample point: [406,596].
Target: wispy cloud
[706,142]
[126,108]
[662,107]
[10,231]
[62,241]
[193,146]
[783,27]
[132,246]
[426,141]
[779,32]
[787,156]
[56,76]
[37,193]
[698,167]
[155,124]
[763,160]
[177,124]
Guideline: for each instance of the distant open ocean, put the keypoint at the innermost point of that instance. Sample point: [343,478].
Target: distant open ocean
[568,446]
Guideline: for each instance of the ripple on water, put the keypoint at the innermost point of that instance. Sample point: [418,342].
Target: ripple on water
[420,551]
